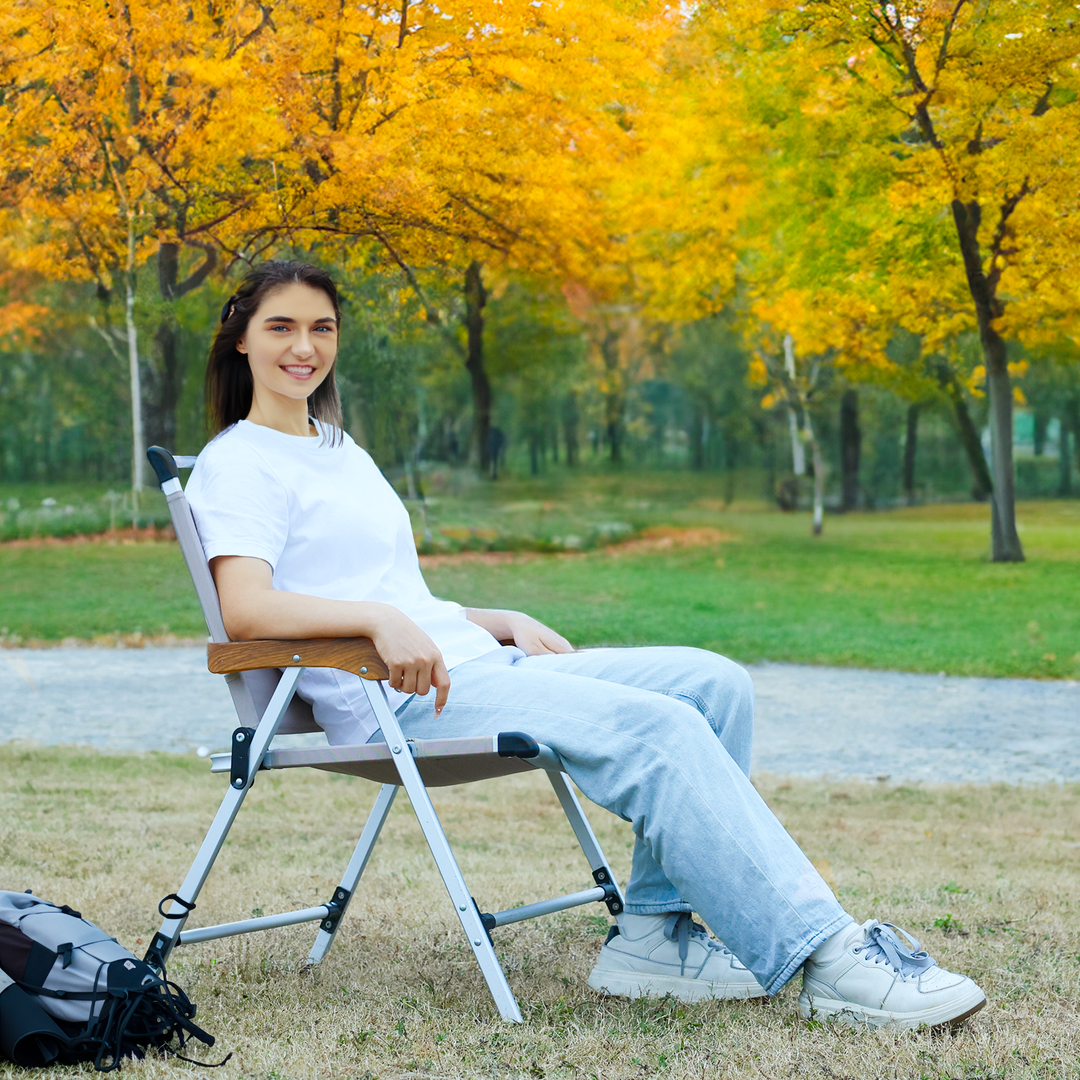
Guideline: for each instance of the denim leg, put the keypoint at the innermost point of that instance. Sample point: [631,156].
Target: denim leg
[717,687]
[657,762]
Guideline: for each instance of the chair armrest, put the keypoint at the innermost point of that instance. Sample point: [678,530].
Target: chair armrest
[356,654]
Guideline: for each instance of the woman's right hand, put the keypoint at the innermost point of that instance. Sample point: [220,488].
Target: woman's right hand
[252,608]
[414,660]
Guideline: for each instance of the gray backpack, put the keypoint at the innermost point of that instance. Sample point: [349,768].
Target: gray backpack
[69,992]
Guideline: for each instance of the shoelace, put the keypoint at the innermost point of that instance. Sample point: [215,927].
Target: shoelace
[680,927]
[882,943]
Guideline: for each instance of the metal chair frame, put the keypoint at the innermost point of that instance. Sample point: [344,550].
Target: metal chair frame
[262,678]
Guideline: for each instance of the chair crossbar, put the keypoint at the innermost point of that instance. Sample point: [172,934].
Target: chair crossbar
[249,926]
[547,907]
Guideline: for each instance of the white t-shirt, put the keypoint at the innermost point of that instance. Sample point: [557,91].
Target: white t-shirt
[329,525]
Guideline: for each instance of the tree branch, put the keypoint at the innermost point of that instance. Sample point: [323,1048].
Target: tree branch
[198,276]
[264,22]
[430,313]
[108,339]
[946,35]
[1042,106]
[1008,206]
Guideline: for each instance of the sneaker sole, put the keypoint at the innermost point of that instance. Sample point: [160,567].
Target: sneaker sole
[624,984]
[851,1015]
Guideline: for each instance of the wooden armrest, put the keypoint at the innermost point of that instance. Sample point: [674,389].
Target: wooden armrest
[355,654]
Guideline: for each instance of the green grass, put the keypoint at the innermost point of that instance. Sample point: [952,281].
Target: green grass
[910,590]
[85,590]
[904,589]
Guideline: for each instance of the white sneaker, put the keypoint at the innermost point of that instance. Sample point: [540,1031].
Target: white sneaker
[677,958]
[866,975]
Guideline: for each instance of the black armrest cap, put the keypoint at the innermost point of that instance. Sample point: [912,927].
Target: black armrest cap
[163,464]
[517,744]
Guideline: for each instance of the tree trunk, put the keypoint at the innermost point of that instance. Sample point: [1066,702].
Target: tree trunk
[1065,454]
[1004,539]
[475,300]
[1071,416]
[613,395]
[798,452]
[1073,408]
[534,452]
[164,384]
[731,461]
[981,483]
[138,441]
[165,375]
[910,437]
[1042,420]
[571,419]
[820,470]
[850,446]
[697,438]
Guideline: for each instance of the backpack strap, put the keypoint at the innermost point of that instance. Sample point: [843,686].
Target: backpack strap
[38,965]
[66,995]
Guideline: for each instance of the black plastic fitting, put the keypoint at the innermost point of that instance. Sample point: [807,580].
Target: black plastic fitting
[163,464]
[517,744]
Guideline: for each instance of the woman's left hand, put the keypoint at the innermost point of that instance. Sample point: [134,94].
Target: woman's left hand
[530,635]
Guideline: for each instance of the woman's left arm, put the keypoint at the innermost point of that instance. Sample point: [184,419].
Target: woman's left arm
[527,633]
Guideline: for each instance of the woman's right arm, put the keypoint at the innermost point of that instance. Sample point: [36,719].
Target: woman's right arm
[252,608]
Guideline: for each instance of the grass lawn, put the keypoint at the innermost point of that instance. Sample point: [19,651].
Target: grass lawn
[986,877]
[905,589]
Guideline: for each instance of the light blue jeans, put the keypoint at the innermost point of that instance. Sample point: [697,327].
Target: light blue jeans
[661,737]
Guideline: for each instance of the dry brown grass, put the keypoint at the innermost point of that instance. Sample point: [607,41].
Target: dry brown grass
[985,876]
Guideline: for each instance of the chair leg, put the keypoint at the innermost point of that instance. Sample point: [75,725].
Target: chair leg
[467,912]
[590,846]
[184,900]
[351,877]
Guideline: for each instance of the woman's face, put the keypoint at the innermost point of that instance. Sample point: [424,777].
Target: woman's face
[290,342]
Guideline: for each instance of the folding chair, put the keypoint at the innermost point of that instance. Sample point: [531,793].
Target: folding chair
[262,677]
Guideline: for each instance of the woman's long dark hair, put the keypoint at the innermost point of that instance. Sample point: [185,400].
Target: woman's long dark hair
[229,385]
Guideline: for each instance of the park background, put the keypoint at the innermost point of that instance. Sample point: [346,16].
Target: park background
[740,326]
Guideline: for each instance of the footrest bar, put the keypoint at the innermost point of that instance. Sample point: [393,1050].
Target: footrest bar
[549,907]
[249,926]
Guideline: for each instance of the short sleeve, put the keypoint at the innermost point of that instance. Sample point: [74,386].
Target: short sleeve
[239,504]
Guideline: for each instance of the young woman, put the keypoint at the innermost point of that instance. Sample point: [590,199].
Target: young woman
[306,538]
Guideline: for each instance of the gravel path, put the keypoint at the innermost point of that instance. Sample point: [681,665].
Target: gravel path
[812,721]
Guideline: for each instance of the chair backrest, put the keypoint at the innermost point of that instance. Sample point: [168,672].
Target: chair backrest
[251,690]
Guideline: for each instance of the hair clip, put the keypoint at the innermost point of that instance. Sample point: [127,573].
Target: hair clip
[227,310]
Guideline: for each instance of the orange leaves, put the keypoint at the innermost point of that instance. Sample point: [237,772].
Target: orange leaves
[20,322]
[138,114]
[758,375]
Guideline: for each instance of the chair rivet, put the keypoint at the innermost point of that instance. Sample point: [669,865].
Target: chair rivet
[296,659]
[240,736]
[363,671]
[397,749]
[477,944]
[238,783]
[461,907]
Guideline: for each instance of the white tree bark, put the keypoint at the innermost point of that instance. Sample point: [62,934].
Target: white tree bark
[798,454]
[138,440]
[819,480]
